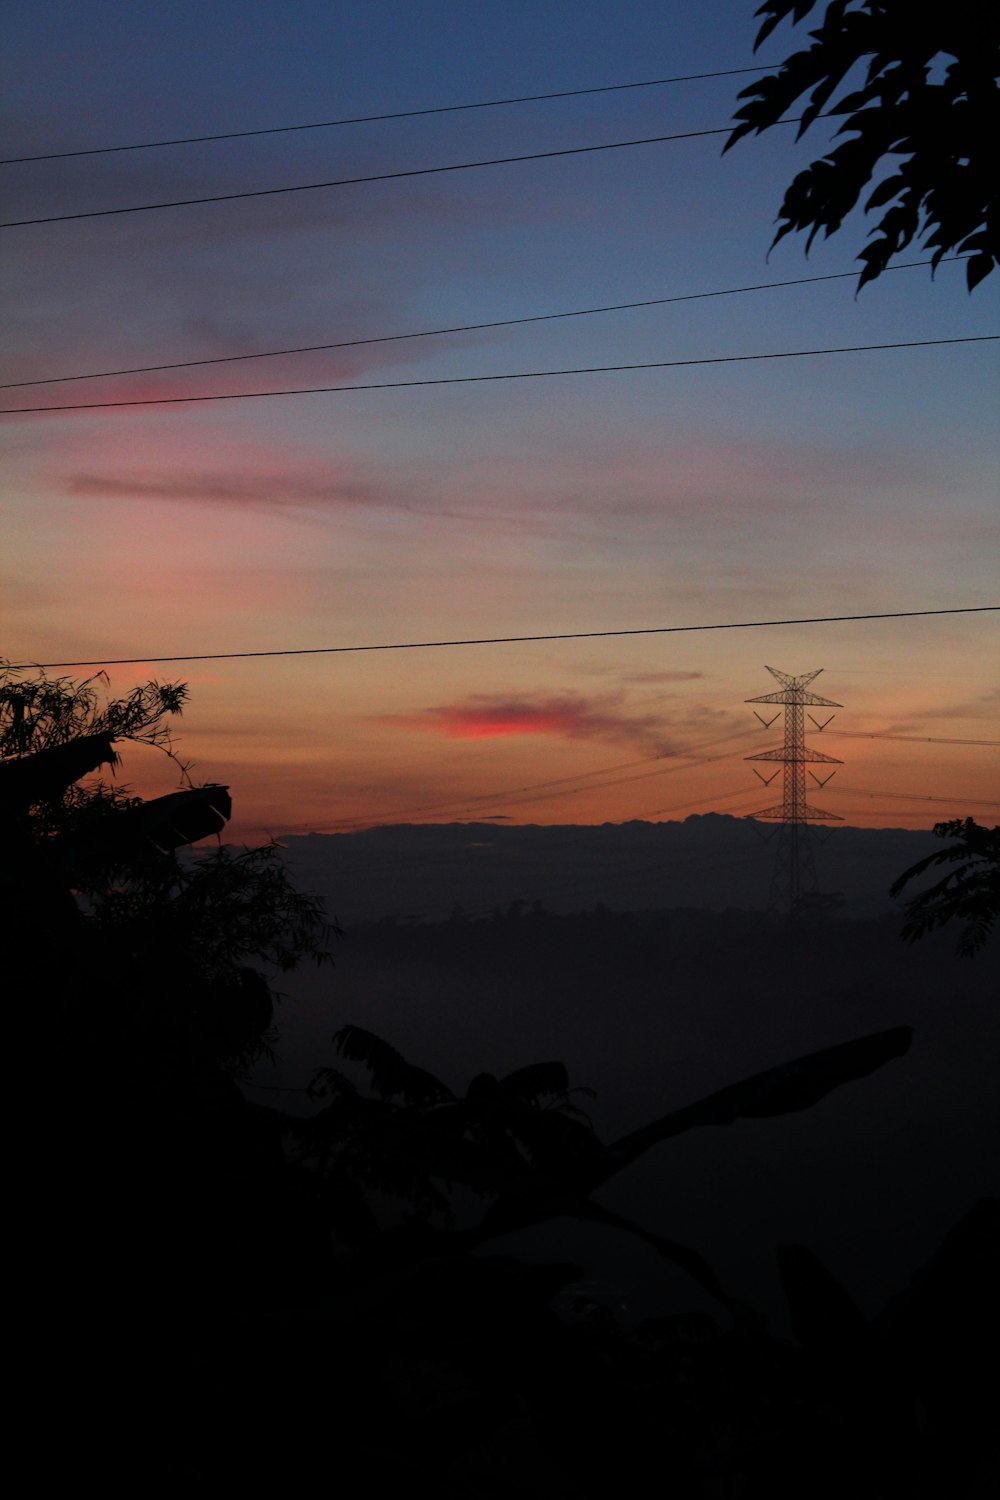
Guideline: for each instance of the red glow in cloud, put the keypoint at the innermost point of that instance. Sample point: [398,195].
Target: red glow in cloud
[567,716]
[486,723]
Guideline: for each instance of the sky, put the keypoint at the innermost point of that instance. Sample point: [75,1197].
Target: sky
[846,484]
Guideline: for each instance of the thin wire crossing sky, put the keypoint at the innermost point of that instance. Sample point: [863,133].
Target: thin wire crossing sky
[700,486]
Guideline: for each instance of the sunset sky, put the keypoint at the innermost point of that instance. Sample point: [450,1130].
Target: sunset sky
[851,483]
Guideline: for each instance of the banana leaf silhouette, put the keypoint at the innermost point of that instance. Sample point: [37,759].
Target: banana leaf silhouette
[522,1142]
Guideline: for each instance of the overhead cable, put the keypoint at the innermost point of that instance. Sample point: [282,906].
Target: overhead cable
[917,739]
[399,114]
[854,791]
[427,333]
[506,640]
[311,187]
[679,761]
[398,385]
[465,800]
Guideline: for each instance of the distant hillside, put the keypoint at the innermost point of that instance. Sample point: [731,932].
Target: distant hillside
[711,861]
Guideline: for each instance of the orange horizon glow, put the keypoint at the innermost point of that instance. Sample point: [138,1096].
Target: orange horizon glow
[657,499]
[645,742]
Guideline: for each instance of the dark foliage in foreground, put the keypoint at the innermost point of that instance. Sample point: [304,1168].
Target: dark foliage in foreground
[215,1298]
[521,1142]
[200,939]
[969,894]
[919,125]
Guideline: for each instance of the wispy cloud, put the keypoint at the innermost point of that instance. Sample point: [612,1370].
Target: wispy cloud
[563,715]
[269,491]
[648,677]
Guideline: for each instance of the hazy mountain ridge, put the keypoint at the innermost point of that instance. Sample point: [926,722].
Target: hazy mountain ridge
[710,860]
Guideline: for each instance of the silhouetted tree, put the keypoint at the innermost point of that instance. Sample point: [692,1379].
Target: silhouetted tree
[157,1207]
[969,894]
[521,1141]
[919,125]
[93,872]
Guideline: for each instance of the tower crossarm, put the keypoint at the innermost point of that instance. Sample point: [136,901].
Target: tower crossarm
[796,756]
[787,680]
[806,814]
[808,700]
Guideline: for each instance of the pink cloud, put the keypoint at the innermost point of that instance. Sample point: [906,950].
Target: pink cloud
[213,469]
[567,716]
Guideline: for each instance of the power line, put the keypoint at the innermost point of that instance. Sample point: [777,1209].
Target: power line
[916,739]
[402,114]
[310,187]
[684,760]
[854,791]
[539,791]
[717,797]
[347,825]
[427,333]
[503,640]
[679,761]
[398,385]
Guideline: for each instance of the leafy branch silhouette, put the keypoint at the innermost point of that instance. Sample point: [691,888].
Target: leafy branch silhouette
[969,894]
[920,125]
[522,1142]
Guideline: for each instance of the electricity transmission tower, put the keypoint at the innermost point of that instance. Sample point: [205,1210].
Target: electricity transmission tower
[794,876]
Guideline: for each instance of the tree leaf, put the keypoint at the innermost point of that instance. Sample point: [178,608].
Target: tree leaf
[793,1086]
[46,773]
[824,1318]
[970,894]
[392,1076]
[538,1080]
[944,125]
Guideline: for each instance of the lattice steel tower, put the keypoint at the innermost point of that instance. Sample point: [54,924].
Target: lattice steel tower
[794,876]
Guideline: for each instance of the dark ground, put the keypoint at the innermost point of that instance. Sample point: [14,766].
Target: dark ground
[656,1009]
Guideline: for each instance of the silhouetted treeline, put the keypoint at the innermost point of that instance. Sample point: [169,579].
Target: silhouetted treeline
[709,860]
